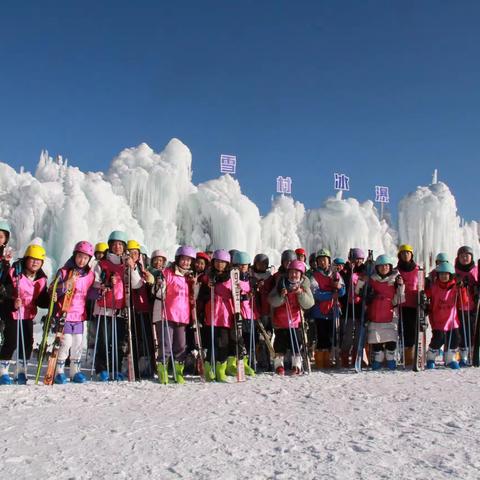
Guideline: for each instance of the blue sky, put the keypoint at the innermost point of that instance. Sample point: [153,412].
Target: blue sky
[384,91]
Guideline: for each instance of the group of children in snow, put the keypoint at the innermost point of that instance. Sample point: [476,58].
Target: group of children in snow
[163,295]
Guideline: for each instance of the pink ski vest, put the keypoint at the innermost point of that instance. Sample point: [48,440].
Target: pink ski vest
[410,280]
[281,314]
[223,306]
[471,278]
[381,308]
[115,297]
[177,303]
[28,290]
[443,315]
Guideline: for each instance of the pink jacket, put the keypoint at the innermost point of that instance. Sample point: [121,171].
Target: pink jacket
[471,279]
[411,287]
[177,303]
[29,290]
[77,311]
[223,306]
[246,305]
[445,299]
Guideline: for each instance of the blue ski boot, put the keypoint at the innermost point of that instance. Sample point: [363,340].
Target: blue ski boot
[103,376]
[21,379]
[61,378]
[76,375]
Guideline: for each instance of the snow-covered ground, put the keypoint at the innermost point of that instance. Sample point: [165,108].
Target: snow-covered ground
[327,425]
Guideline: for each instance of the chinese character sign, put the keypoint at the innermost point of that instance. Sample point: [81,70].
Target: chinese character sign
[284,185]
[228,163]
[382,194]
[342,182]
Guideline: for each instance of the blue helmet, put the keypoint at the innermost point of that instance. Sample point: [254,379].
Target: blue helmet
[441,257]
[339,261]
[384,260]
[241,258]
[118,235]
[5,226]
[445,267]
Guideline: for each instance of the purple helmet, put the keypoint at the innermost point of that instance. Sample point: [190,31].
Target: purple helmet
[84,247]
[222,255]
[186,251]
[356,253]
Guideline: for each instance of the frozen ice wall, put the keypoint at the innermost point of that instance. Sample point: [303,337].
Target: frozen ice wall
[60,206]
[428,220]
[340,224]
[217,215]
[154,186]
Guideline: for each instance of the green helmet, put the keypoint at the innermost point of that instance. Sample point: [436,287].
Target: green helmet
[323,252]
[445,267]
[241,258]
[118,235]
[384,260]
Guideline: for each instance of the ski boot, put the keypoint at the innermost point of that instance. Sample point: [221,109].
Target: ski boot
[162,372]
[220,368]
[231,369]
[4,376]
[249,371]
[103,376]
[296,365]
[209,375]
[378,358]
[61,378]
[179,378]
[463,357]
[431,356]
[119,377]
[278,365]
[451,360]
[390,357]
[76,376]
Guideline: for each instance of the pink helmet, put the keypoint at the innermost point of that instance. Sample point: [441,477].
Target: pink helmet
[84,247]
[186,251]
[159,253]
[296,265]
[222,255]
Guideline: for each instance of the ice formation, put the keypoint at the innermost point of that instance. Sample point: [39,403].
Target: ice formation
[151,196]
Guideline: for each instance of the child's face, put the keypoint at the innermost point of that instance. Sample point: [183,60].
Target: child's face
[406,256]
[383,269]
[444,277]
[158,262]
[301,257]
[134,254]
[117,247]
[81,259]
[99,255]
[323,262]
[294,275]
[33,264]
[184,262]
[200,265]
[243,268]
[219,265]
[261,267]
[465,258]
[3,238]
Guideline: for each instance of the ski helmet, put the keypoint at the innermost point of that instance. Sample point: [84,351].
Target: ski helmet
[84,247]
[405,248]
[221,255]
[232,252]
[301,251]
[133,245]
[35,251]
[339,261]
[296,265]
[356,254]
[5,226]
[118,235]
[241,258]
[261,257]
[441,257]
[101,247]
[143,250]
[324,252]
[445,267]
[186,251]
[159,253]
[203,256]
[384,260]
[465,249]
[288,256]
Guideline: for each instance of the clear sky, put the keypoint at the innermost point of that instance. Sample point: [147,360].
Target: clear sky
[384,91]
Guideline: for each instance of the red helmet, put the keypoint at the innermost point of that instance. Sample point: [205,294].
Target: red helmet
[301,251]
[203,256]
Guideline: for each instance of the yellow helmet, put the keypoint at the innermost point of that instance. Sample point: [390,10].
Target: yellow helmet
[405,248]
[35,251]
[101,247]
[133,245]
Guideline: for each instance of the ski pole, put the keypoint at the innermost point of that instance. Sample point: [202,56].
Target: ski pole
[23,348]
[106,342]
[17,360]
[169,339]
[95,348]
[212,328]
[293,333]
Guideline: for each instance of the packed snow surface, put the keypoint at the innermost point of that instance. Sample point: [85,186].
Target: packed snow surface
[151,196]
[392,425]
